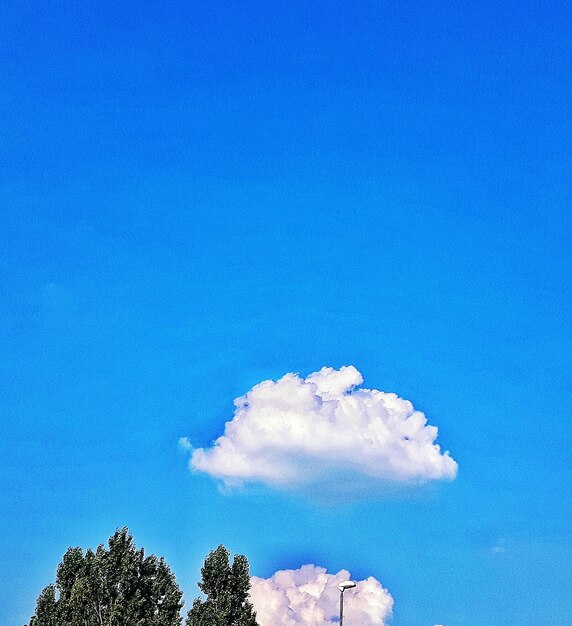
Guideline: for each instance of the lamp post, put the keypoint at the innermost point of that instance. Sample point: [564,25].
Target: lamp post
[348,584]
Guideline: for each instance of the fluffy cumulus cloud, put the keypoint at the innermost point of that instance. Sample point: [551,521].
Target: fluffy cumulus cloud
[309,596]
[323,430]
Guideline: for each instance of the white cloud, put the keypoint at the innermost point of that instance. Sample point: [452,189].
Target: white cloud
[185,444]
[309,597]
[321,430]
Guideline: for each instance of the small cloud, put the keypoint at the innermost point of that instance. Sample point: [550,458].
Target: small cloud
[309,596]
[185,444]
[323,431]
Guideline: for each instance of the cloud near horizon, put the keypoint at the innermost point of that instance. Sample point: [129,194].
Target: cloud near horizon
[309,596]
[297,433]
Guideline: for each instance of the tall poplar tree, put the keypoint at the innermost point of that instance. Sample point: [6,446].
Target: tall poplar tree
[113,586]
[226,588]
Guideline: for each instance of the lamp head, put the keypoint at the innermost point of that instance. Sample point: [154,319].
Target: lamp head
[348,584]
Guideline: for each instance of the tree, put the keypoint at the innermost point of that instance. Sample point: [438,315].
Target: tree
[226,588]
[114,586]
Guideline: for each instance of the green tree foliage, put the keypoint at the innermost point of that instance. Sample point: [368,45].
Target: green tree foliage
[226,588]
[113,586]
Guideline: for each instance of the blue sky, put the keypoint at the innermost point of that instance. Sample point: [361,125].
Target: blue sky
[201,196]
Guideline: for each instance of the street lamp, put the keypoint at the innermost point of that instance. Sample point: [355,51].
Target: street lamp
[348,584]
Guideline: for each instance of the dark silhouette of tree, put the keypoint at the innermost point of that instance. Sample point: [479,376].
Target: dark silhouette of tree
[226,588]
[113,586]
